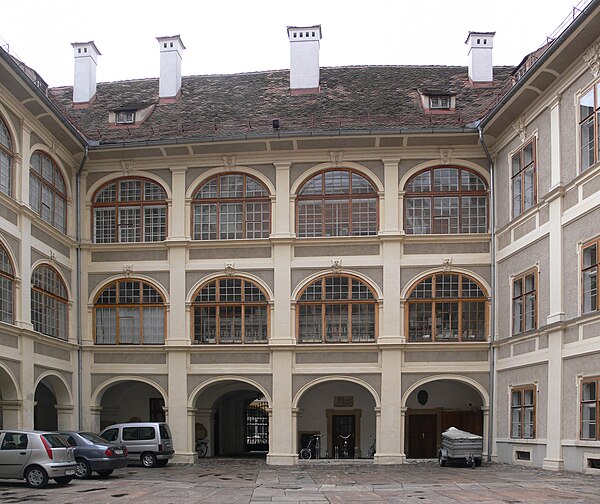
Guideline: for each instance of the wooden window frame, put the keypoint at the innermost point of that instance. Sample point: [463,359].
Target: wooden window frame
[459,194]
[520,153]
[323,197]
[523,297]
[141,305]
[591,243]
[117,205]
[323,302]
[596,401]
[57,298]
[56,192]
[522,407]
[595,116]
[218,304]
[218,201]
[433,300]
[9,152]
[9,277]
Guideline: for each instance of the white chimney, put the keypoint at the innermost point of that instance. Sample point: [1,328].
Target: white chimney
[170,66]
[304,57]
[480,56]
[86,61]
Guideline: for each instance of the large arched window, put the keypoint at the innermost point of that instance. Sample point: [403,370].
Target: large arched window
[445,200]
[7,287]
[47,191]
[6,159]
[231,206]
[336,203]
[130,210]
[446,307]
[130,312]
[49,303]
[230,310]
[337,309]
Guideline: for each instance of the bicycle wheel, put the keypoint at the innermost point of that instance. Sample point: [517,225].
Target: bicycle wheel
[305,453]
[201,450]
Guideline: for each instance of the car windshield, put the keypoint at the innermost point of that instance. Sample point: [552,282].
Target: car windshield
[94,438]
[55,440]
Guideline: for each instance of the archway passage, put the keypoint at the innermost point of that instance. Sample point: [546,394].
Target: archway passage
[233,416]
[342,413]
[9,403]
[45,416]
[131,401]
[436,406]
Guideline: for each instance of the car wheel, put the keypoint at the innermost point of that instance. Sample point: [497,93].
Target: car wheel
[442,461]
[162,463]
[63,480]
[105,474]
[83,470]
[148,459]
[36,477]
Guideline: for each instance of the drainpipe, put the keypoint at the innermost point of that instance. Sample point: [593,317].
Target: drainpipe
[493,293]
[78,301]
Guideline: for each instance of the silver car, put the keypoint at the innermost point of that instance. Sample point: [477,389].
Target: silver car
[36,456]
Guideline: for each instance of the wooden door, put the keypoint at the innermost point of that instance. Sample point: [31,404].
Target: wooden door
[422,436]
[343,428]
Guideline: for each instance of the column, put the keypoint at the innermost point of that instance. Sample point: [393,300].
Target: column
[64,413]
[27,381]
[178,417]
[10,414]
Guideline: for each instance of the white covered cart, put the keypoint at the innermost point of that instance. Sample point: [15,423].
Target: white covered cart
[460,446]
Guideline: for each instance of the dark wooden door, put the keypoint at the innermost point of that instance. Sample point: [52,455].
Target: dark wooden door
[422,436]
[343,429]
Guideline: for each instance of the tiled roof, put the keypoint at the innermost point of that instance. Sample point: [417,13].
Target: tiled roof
[361,99]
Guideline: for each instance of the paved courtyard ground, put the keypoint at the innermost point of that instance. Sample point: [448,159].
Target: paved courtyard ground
[231,481]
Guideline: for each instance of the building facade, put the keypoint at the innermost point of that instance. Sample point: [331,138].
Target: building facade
[371,254]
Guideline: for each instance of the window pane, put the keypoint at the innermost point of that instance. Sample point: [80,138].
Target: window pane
[517,196]
[590,290]
[129,224]
[589,391]
[104,225]
[336,288]
[337,182]
[360,290]
[528,188]
[364,217]
[586,104]
[419,322]
[590,257]
[255,324]
[313,186]
[129,292]
[528,423]
[474,214]
[230,290]
[587,143]
[517,315]
[446,321]
[516,398]
[231,217]
[361,184]
[445,220]
[153,192]
[473,321]
[529,312]
[154,325]
[336,323]
[232,186]
[5,173]
[230,321]
[6,300]
[446,286]
[516,163]
[309,324]
[205,222]
[588,421]
[130,190]
[418,215]
[155,223]
[516,423]
[205,324]
[106,326]
[363,322]
[445,179]
[254,188]
[337,220]
[471,182]
[313,292]
[129,325]
[258,220]
[424,289]
[310,217]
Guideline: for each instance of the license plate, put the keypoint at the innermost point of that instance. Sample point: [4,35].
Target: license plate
[70,472]
[118,452]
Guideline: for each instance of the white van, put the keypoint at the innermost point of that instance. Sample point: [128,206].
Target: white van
[147,442]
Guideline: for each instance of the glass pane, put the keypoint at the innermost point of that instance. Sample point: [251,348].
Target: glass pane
[424,289]
[155,223]
[231,218]
[586,104]
[258,220]
[129,224]
[336,323]
[517,196]
[420,183]
[528,423]
[517,315]
[154,325]
[205,324]
[129,325]
[208,190]
[106,326]
[528,397]
[4,136]
[470,289]
[153,192]
[445,220]
[309,324]
[255,324]
[104,225]
[232,186]
[360,290]
[364,217]
[313,292]
[516,163]
[363,322]
[516,398]
[516,423]
[254,188]
[130,190]
[587,143]
[336,288]
[446,321]
[337,182]
[310,218]
[208,293]
[530,312]
[590,257]
[337,218]
[107,195]
[589,391]
[590,290]
[252,293]
[474,214]
[471,182]
[129,292]
[528,154]
[230,290]
[313,186]
[418,215]
[230,324]
[445,179]
[473,321]
[446,286]
[528,188]
[205,222]
[361,185]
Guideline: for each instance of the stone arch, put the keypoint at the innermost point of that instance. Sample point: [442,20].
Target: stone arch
[59,272]
[363,170]
[224,170]
[361,276]
[60,387]
[324,379]
[432,271]
[134,174]
[227,378]
[61,168]
[238,274]
[9,385]
[152,281]
[96,396]
[449,377]
[460,163]
[14,134]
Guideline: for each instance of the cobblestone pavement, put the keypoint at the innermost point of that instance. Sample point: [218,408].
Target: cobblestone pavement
[231,481]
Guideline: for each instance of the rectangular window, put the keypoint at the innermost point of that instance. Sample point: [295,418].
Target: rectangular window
[523,164]
[522,406]
[125,117]
[589,273]
[524,302]
[440,102]
[589,409]
[589,131]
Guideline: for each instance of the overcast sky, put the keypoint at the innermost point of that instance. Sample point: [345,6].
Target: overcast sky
[231,36]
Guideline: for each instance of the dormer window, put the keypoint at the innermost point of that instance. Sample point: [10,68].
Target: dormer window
[125,117]
[440,102]
[437,101]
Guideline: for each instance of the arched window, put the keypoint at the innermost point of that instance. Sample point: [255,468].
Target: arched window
[47,191]
[7,286]
[49,303]
[446,307]
[232,206]
[336,203]
[445,200]
[6,159]
[230,310]
[337,309]
[130,312]
[130,210]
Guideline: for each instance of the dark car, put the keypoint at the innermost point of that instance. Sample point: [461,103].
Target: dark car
[93,453]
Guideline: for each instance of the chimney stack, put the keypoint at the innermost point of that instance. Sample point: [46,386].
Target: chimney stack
[86,61]
[304,58]
[170,66]
[480,56]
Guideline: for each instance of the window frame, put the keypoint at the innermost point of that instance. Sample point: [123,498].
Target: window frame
[432,194]
[437,102]
[46,296]
[117,306]
[117,205]
[8,151]
[520,153]
[596,402]
[433,300]
[242,304]
[581,121]
[323,302]
[349,197]
[522,408]
[220,201]
[522,277]
[7,284]
[125,116]
[583,269]
[52,187]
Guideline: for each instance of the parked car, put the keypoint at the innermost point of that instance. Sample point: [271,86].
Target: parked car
[147,442]
[93,453]
[36,456]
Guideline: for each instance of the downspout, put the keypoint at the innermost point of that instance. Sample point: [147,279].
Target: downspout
[493,293]
[78,302]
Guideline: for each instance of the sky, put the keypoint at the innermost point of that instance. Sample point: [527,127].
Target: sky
[232,36]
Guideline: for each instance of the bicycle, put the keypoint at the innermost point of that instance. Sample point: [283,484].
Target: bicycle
[345,445]
[371,452]
[313,442]
[201,447]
